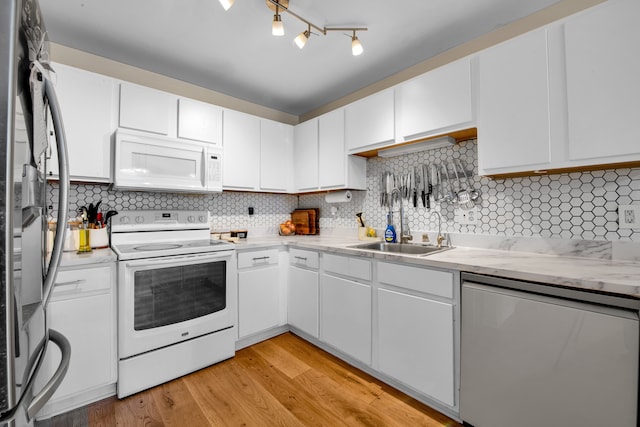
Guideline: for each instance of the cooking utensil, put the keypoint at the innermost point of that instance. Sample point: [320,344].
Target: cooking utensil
[449,195]
[435,180]
[414,187]
[360,220]
[463,196]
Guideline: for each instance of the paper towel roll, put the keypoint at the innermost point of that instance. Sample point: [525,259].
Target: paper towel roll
[338,197]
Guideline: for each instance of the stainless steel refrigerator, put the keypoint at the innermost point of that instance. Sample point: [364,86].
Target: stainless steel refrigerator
[28,106]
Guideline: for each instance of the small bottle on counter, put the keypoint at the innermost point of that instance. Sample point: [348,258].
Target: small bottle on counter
[390,232]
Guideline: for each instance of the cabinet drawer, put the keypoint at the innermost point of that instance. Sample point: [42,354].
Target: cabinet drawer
[82,282]
[302,258]
[257,258]
[357,268]
[418,279]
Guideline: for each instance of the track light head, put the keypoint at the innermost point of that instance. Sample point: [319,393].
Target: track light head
[227,3]
[277,28]
[302,38]
[356,45]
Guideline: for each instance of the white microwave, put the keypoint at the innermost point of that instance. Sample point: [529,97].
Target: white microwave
[150,162]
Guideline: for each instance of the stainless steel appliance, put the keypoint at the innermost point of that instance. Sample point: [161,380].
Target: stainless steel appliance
[26,95]
[537,355]
[176,297]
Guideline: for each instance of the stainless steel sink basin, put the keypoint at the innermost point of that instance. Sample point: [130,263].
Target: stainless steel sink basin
[399,248]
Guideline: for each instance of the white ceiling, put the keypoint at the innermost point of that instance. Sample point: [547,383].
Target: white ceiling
[234,53]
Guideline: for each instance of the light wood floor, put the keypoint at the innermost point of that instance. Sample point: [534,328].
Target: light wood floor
[284,381]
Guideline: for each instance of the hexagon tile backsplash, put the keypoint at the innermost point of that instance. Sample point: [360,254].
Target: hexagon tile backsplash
[580,205]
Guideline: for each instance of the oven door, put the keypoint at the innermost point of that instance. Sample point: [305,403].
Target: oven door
[163,301]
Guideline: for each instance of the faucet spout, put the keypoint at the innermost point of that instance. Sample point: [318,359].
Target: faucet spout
[405,233]
[440,237]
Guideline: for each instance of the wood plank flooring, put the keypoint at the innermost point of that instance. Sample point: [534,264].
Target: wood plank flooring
[284,381]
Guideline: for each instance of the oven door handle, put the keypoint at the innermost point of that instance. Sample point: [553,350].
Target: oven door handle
[171,260]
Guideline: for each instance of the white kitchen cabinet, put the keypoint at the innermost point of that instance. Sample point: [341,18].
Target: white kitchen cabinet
[89,108]
[146,109]
[415,323]
[302,296]
[276,156]
[346,306]
[259,292]
[305,153]
[602,68]
[436,102]
[241,159]
[415,343]
[83,309]
[370,122]
[514,129]
[336,169]
[199,121]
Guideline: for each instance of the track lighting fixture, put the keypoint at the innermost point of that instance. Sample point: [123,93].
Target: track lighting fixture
[277,27]
[303,37]
[226,3]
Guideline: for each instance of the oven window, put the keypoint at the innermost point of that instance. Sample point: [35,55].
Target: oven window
[166,296]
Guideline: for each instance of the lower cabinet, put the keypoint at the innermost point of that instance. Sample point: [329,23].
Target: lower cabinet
[302,293]
[415,343]
[260,304]
[83,309]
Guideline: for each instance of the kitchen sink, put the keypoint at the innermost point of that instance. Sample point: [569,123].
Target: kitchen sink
[400,248]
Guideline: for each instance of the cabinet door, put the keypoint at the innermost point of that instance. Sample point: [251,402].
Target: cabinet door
[602,81]
[199,121]
[332,155]
[306,155]
[303,300]
[241,137]
[258,300]
[513,104]
[346,316]
[415,343]
[82,308]
[276,156]
[89,107]
[370,122]
[146,109]
[437,101]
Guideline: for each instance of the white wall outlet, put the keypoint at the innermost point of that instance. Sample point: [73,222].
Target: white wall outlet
[629,216]
[467,217]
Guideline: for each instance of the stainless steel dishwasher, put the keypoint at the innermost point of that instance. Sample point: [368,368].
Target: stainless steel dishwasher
[539,355]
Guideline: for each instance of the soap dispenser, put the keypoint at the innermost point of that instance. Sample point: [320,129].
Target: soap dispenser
[390,232]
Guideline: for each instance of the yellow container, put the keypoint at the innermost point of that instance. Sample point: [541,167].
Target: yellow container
[84,244]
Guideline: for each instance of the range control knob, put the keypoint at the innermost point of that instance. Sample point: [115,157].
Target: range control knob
[139,219]
[201,218]
[124,220]
[191,218]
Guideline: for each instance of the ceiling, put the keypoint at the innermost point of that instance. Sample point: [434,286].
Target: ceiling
[234,53]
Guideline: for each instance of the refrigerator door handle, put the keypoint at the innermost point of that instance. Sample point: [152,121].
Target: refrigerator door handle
[63,198]
[52,385]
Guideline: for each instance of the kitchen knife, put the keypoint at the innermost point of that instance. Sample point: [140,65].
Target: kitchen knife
[414,188]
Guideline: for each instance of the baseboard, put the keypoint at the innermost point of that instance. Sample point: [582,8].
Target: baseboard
[261,336]
[86,397]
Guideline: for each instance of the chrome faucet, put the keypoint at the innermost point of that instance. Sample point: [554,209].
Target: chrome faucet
[440,237]
[405,232]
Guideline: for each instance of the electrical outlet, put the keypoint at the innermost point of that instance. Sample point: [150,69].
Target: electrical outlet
[629,216]
[467,217]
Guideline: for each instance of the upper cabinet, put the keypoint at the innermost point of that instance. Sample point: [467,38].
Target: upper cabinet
[148,110]
[336,169]
[436,102]
[199,121]
[305,155]
[603,66]
[370,122]
[513,104]
[563,97]
[241,159]
[89,108]
[276,156]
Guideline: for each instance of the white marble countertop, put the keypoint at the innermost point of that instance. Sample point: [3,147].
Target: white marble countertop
[617,277]
[96,256]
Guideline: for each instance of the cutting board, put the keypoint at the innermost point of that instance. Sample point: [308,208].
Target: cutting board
[306,221]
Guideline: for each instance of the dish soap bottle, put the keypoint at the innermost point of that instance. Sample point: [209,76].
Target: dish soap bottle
[390,232]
